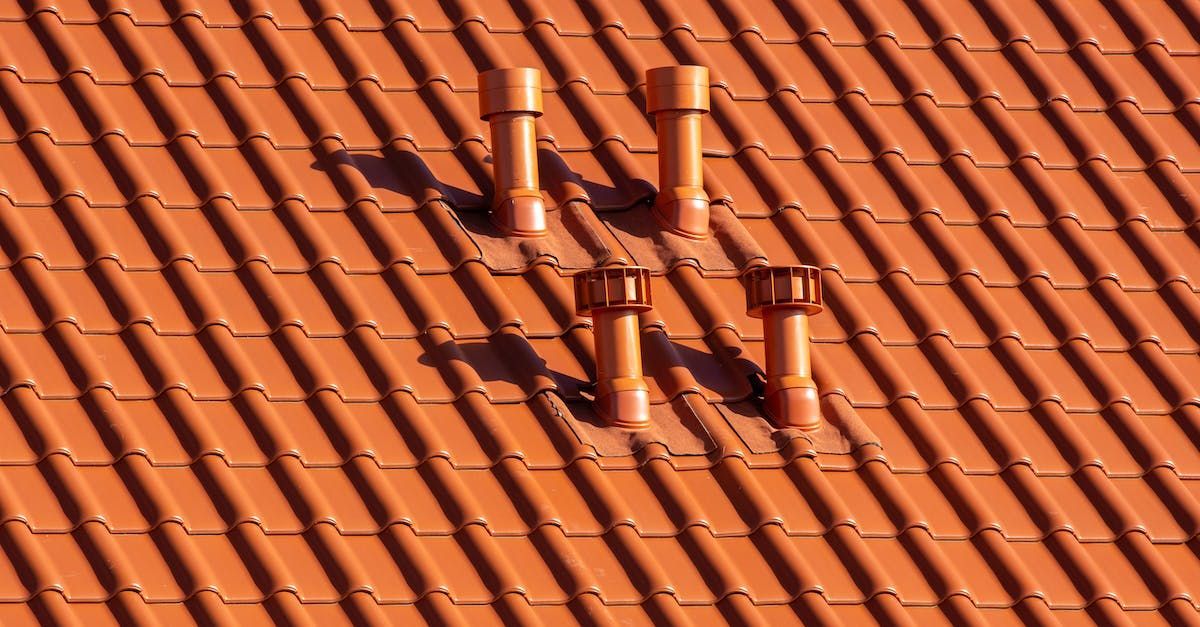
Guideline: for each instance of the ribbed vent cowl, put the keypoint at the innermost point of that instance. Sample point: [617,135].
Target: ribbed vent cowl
[613,286]
[783,286]
[613,296]
[784,297]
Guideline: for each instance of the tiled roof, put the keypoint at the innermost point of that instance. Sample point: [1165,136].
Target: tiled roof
[258,363]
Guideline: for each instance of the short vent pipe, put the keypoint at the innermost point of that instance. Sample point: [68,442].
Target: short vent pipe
[784,297]
[613,296]
[677,97]
[510,100]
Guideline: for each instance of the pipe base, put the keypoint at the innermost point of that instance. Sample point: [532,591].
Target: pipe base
[683,216]
[628,409]
[522,216]
[795,408]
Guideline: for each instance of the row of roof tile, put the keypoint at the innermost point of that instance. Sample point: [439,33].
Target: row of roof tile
[329,178]
[362,366]
[656,499]
[324,431]
[1121,27]
[360,607]
[621,567]
[1155,80]
[147,237]
[206,607]
[970,129]
[326,302]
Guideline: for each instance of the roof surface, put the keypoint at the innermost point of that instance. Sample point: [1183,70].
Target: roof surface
[260,360]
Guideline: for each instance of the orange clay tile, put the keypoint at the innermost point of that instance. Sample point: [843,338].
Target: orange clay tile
[256,366]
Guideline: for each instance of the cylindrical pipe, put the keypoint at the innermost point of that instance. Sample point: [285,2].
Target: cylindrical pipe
[622,396]
[512,136]
[614,296]
[677,96]
[510,100]
[784,297]
[791,394]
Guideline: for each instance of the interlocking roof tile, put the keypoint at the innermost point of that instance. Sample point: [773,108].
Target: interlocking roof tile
[259,362]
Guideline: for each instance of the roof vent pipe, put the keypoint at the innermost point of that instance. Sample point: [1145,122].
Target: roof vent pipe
[613,296]
[677,96]
[510,100]
[784,297]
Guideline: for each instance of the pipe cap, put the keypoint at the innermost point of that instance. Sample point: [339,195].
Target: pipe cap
[798,287]
[677,87]
[612,287]
[510,90]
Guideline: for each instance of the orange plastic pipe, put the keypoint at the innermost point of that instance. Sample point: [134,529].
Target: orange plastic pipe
[784,297]
[677,96]
[622,396]
[613,296]
[791,394]
[510,100]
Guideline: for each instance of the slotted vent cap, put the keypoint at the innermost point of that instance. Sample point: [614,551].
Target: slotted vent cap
[612,287]
[797,287]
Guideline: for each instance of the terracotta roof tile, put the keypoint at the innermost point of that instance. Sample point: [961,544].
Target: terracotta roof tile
[260,362]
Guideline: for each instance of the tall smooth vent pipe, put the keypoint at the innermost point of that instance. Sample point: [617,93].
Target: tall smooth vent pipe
[784,297]
[510,100]
[613,296]
[677,96]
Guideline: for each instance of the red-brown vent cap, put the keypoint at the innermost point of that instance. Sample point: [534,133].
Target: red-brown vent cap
[677,87]
[797,287]
[510,90]
[612,287]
